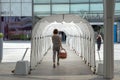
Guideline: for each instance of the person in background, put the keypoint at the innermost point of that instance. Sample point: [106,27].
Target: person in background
[99,41]
[56,46]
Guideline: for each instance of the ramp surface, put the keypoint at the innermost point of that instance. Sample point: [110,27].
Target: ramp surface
[72,65]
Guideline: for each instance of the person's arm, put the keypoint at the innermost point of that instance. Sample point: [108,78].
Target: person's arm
[101,38]
[97,36]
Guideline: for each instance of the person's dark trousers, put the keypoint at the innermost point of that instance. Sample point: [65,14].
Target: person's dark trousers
[54,55]
[98,46]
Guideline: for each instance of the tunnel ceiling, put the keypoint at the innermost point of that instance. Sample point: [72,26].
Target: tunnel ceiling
[72,25]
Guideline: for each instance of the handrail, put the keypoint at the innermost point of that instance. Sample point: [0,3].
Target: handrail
[24,54]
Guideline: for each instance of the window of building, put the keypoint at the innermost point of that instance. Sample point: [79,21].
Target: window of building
[78,8]
[16,9]
[96,0]
[118,0]
[96,8]
[41,1]
[15,0]
[5,9]
[79,1]
[27,6]
[60,9]
[26,0]
[4,0]
[42,10]
[60,1]
[117,9]
[117,6]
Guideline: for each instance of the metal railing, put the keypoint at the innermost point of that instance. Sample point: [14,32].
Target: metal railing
[24,54]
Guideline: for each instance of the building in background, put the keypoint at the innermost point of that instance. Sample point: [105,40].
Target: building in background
[16,19]
[17,16]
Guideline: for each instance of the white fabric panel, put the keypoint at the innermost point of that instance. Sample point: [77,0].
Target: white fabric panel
[33,54]
[70,18]
[39,49]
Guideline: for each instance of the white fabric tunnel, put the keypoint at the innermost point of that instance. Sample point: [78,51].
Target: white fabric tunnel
[79,37]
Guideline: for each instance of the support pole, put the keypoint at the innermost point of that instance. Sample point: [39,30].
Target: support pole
[108,68]
[1,49]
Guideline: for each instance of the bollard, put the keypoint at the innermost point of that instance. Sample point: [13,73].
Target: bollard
[22,68]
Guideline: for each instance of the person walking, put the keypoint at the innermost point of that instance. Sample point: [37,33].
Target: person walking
[99,41]
[56,46]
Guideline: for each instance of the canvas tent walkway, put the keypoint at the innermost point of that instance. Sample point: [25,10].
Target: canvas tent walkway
[79,37]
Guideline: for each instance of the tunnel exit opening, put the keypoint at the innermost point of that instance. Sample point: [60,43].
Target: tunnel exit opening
[62,36]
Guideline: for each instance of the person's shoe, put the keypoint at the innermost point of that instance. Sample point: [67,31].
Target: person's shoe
[13,71]
[54,66]
[58,64]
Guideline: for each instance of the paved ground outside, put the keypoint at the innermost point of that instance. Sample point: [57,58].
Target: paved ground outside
[13,51]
